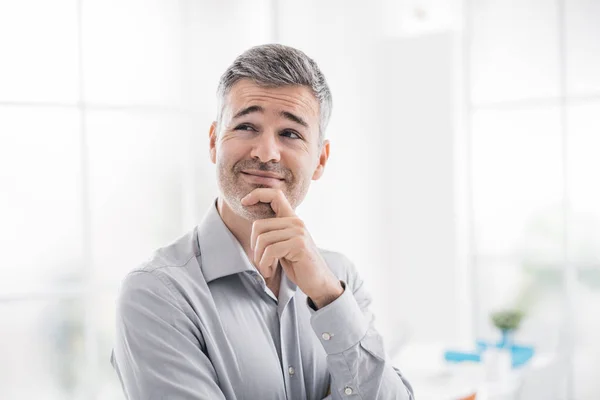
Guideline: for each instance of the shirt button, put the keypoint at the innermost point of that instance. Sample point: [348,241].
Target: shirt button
[291,370]
[348,390]
[326,336]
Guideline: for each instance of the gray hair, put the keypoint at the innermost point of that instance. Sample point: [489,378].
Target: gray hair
[275,65]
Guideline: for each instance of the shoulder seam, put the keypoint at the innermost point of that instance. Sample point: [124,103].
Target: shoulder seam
[167,285]
[154,268]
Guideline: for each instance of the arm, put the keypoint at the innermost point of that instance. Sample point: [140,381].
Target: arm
[344,324]
[156,353]
[355,354]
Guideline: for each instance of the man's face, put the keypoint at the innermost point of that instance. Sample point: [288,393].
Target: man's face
[268,137]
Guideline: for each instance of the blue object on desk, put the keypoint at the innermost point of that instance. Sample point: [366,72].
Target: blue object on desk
[520,354]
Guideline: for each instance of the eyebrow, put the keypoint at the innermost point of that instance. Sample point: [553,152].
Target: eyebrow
[294,118]
[259,109]
[249,110]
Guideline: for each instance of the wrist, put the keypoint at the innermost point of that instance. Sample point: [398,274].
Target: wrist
[329,295]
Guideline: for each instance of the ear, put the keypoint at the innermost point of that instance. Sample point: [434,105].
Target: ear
[212,135]
[323,157]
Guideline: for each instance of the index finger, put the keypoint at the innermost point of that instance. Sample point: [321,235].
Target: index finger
[275,197]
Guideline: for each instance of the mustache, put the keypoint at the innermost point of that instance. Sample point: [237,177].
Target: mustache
[260,166]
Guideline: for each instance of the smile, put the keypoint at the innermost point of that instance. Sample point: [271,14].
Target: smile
[262,178]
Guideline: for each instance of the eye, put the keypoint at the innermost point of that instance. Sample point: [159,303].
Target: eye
[245,127]
[290,134]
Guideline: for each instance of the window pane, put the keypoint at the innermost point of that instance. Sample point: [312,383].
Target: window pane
[583,46]
[40,205]
[133,51]
[109,387]
[237,28]
[584,250]
[42,350]
[38,44]
[137,166]
[203,179]
[517,182]
[584,183]
[514,53]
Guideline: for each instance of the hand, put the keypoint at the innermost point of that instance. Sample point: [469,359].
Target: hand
[284,239]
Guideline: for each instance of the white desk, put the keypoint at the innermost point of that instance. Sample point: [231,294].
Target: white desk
[433,378]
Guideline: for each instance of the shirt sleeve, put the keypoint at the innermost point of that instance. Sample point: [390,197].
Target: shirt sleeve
[355,355]
[156,353]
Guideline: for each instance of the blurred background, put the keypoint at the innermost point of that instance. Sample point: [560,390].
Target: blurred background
[463,178]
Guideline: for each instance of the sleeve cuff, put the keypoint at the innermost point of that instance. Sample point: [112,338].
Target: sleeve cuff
[341,324]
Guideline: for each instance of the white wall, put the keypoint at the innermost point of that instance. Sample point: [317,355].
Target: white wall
[416,113]
[387,197]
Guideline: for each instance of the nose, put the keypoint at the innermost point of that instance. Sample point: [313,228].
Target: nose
[266,148]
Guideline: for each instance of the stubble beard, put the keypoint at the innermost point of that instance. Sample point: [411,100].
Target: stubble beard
[233,188]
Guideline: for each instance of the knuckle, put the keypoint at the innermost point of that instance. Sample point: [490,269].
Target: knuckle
[268,250]
[259,241]
[256,225]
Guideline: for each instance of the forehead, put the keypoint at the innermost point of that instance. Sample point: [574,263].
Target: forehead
[293,98]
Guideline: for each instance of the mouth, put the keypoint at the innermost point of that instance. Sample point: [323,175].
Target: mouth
[265,174]
[262,177]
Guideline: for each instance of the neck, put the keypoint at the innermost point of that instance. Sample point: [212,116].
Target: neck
[241,228]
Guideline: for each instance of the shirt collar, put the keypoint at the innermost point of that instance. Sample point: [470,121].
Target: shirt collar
[221,253]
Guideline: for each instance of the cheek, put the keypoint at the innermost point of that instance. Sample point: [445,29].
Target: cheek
[303,167]
[228,153]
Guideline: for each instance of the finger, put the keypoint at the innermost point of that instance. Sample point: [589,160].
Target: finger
[269,270]
[268,238]
[276,251]
[288,270]
[275,197]
[271,224]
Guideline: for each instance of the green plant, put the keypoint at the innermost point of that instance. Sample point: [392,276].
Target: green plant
[507,320]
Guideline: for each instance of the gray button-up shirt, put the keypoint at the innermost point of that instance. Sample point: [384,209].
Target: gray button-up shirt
[197,321]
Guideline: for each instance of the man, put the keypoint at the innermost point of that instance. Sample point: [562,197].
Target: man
[246,306]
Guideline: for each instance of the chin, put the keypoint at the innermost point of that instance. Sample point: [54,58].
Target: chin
[249,213]
[258,211]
